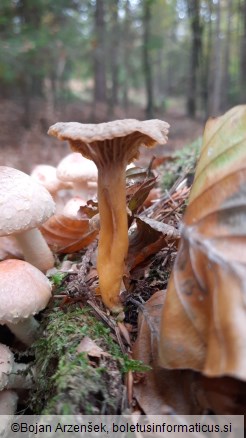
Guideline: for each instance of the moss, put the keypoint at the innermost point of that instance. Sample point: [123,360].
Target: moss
[184,160]
[68,382]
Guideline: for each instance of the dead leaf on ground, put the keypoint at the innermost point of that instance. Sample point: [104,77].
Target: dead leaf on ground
[149,237]
[137,193]
[66,235]
[204,318]
[160,391]
[88,346]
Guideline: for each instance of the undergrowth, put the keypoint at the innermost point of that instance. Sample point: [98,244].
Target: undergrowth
[184,161]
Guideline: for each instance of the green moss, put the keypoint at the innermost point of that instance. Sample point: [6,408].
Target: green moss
[67,382]
[184,160]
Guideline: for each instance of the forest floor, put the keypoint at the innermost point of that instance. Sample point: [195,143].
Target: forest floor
[87,361]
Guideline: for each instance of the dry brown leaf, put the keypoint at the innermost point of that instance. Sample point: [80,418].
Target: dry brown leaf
[204,318]
[160,391]
[149,237]
[87,345]
[66,235]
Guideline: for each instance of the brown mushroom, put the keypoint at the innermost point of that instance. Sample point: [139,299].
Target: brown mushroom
[112,146]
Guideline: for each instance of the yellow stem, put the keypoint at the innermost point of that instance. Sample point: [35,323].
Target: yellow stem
[113,236]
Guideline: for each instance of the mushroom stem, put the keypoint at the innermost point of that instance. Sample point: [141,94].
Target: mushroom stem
[35,249]
[25,330]
[113,236]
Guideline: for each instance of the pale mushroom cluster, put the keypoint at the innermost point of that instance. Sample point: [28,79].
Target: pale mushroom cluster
[24,288]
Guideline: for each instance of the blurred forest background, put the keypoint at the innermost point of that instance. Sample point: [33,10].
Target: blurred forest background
[98,60]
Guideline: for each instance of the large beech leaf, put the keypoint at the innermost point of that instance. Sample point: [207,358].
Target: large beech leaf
[160,391]
[66,235]
[204,319]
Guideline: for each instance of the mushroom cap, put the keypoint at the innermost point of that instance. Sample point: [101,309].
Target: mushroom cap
[72,207]
[24,203]
[24,290]
[8,404]
[46,175]
[156,129]
[76,168]
[6,365]
[92,140]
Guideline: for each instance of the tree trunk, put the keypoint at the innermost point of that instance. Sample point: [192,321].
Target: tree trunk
[99,54]
[243,57]
[206,66]
[196,46]
[216,82]
[226,61]
[126,50]
[114,55]
[147,64]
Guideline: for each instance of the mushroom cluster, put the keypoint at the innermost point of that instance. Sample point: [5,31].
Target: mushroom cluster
[111,146]
[24,289]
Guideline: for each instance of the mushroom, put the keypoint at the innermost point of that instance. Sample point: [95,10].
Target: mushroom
[8,405]
[72,207]
[11,373]
[25,204]
[46,175]
[111,146]
[24,291]
[81,172]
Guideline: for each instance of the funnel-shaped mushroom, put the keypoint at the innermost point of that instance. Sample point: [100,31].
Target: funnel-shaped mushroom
[111,146]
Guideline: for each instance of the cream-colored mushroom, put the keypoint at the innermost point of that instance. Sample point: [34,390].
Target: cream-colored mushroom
[8,405]
[24,291]
[81,172]
[112,146]
[24,205]
[12,375]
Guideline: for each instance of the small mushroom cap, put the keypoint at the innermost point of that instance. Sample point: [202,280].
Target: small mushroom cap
[24,290]
[6,365]
[46,175]
[24,203]
[72,207]
[8,404]
[76,168]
